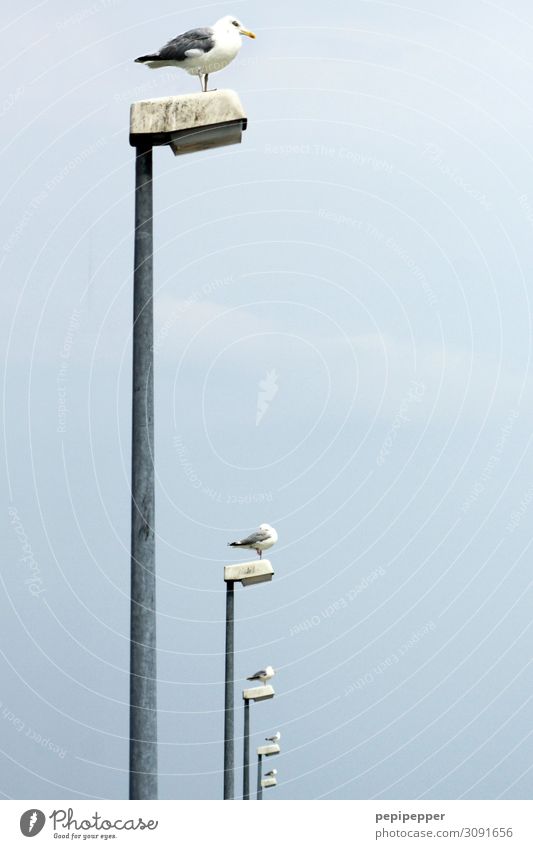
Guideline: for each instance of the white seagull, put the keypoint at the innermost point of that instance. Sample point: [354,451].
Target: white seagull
[201,51]
[271,774]
[275,738]
[261,539]
[263,675]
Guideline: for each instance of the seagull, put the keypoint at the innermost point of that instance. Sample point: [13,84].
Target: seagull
[263,675]
[271,774]
[275,738]
[201,51]
[264,537]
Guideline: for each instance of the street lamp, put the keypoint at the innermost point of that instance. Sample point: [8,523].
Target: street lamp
[264,752]
[253,694]
[247,574]
[188,123]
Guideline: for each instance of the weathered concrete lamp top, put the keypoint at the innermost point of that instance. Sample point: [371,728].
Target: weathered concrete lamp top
[268,782]
[189,122]
[268,751]
[258,694]
[252,572]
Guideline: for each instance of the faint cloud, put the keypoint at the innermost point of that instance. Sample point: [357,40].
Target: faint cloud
[170,311]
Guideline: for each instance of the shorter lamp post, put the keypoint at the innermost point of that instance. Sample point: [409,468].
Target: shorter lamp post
[253,694]
[247,574]
[264,752]
[259,791]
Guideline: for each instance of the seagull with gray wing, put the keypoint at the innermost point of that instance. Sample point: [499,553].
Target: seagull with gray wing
[261,539]
[262,675]
[274,739]
[201,51]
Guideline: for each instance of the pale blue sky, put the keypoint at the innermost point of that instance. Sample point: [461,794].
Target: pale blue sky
[369,246]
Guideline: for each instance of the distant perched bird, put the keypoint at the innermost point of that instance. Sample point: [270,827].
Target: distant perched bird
[201,51]
[271,774]
[261,539]
[275,738]
[263,675]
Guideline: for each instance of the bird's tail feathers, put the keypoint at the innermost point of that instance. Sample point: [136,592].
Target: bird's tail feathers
[150,57]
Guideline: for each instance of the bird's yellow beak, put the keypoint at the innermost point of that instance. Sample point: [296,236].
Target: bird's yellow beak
[248,33]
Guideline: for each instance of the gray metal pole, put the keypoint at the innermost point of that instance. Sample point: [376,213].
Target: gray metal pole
[229,696]
[259,795]
[143,704]
[246,752]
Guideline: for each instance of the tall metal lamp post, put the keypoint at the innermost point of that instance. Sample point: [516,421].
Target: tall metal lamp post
[188,123]
[247,574]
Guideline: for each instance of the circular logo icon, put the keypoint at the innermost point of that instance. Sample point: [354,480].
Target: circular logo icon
[32,822]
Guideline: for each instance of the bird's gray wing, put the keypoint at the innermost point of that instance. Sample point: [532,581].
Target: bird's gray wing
[257,674]
[194,42]
[257,536]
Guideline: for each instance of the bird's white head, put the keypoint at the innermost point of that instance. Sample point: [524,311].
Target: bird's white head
[270,670]
[231,24]
[272,533]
